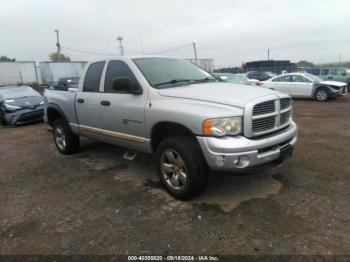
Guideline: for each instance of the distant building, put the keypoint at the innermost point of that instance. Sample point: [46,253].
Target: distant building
[274,66]
[207,64]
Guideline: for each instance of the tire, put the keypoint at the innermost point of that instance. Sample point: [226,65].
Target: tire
[2,119]
[66,142]
[322,94]
[181,167]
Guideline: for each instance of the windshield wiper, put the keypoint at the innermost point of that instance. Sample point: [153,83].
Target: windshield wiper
[174,81]
[207,79]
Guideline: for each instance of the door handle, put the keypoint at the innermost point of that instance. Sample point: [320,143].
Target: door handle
[80,100]
[105,103]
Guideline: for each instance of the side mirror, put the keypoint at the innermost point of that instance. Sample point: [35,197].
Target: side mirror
[343,74]
[124,84]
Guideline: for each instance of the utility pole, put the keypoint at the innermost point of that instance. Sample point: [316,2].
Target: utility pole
[339,58]
[195,52]
[58,45]
[120,39]
[268,54]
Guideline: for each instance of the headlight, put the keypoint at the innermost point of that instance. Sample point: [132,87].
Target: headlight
[223,126]
[11,107]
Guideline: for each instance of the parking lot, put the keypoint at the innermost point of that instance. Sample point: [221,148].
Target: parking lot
[96,202]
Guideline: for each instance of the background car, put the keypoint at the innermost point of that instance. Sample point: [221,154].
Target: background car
[341,74]
[65,83]
[233,78]
[261,76]
[20,105]
[305,85]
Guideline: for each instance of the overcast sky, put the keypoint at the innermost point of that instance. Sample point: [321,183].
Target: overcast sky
[229,31]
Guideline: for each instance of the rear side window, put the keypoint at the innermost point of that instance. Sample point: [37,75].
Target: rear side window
[93,77]
[282,79]
[324,71]
[117,69]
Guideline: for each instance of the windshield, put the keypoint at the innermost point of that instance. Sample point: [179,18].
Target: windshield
[18,92]
[231,78]
[314,78]
[166,72]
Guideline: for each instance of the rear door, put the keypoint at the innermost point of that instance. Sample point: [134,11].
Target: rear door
[282,84]
[123,114]
[301,86]
[87,101]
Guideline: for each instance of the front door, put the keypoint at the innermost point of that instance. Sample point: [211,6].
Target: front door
[123,114]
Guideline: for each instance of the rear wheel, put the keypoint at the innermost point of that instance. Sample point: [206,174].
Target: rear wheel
[181,167]
[322,94]
[65,140]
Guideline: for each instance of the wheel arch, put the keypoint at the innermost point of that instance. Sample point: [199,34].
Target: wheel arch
[53,112]
[165,129]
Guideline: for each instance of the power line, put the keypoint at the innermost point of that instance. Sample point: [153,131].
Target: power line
[87,52]
[107,54]
[170,50]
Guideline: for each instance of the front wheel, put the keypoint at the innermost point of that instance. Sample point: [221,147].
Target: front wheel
[181,167]
[2,119]
[65,140]
[322,94]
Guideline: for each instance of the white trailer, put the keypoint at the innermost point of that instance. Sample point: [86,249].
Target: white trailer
[18,72]
[52,71]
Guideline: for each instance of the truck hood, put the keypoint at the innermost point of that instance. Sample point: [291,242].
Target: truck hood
[218,92]
[333,83]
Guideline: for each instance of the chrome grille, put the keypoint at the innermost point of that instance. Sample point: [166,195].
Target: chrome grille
[285,103]
[263,124]
[285,117]
[264,108]
[269,116]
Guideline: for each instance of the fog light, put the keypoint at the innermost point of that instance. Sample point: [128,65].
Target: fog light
[241,162]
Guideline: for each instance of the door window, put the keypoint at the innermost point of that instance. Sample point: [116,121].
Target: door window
[300,79]
[117,69]
[324,72]
[93,77]
[282,79]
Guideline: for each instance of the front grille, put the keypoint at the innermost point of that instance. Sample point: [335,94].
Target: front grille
[31,116]
[264,108]
[270,116]
[284,117]
[285,103]
[263,124]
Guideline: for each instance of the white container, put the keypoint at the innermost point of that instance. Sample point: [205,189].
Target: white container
[13,73]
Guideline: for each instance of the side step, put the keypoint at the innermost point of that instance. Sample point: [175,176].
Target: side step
[130,155]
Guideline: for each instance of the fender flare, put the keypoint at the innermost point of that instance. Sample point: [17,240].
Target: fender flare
[57,108]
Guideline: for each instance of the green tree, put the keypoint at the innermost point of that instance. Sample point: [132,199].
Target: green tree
[4,58]
[54,57]
[304,63]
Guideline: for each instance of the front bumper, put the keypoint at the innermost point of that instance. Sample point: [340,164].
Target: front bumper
[24,116]
[239,152]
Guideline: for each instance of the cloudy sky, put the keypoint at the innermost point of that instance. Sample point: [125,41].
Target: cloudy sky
[229,31]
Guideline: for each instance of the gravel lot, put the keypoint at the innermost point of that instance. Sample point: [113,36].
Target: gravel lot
[96,202]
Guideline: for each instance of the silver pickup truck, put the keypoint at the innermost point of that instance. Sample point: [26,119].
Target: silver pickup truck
[171,108]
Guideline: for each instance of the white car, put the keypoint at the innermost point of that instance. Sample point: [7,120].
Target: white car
[304,85]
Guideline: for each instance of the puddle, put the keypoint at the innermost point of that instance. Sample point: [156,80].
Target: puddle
[229,191]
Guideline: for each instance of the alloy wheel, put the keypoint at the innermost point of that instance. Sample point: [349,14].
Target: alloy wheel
[173,169]
[60,138]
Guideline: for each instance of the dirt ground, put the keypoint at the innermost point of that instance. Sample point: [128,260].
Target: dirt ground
[96,202]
